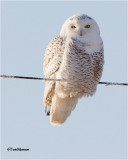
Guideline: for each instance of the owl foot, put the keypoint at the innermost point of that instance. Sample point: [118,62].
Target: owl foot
[47,111]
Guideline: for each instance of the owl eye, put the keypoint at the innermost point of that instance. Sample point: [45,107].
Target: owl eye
[73,26]
[87,26]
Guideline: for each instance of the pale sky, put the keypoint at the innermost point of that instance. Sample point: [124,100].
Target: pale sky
[97,127]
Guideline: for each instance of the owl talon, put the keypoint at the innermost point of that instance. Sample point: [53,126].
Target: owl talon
[47,111]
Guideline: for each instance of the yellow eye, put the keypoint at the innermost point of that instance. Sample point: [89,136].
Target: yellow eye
[87,26]
[73,27]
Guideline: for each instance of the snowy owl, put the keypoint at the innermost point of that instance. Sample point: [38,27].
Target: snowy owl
[76,58]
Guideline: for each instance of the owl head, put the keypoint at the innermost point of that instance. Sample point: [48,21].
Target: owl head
[80,26]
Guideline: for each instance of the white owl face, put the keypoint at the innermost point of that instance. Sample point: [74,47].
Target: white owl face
[80,27]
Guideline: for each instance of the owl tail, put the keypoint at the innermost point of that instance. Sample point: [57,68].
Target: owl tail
[61,108]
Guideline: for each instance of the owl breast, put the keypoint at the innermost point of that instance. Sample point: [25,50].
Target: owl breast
[78,72]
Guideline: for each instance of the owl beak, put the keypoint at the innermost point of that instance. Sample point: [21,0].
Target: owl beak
[81,34]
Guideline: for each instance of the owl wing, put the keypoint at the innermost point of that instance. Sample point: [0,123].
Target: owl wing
[52,60]
[98,66]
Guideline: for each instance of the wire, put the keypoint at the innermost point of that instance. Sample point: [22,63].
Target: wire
[32,78]
[48,79]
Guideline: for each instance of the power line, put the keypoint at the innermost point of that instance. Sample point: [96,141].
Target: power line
[49,79]
[32,78]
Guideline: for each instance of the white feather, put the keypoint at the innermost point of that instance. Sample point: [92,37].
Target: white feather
[76,57]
